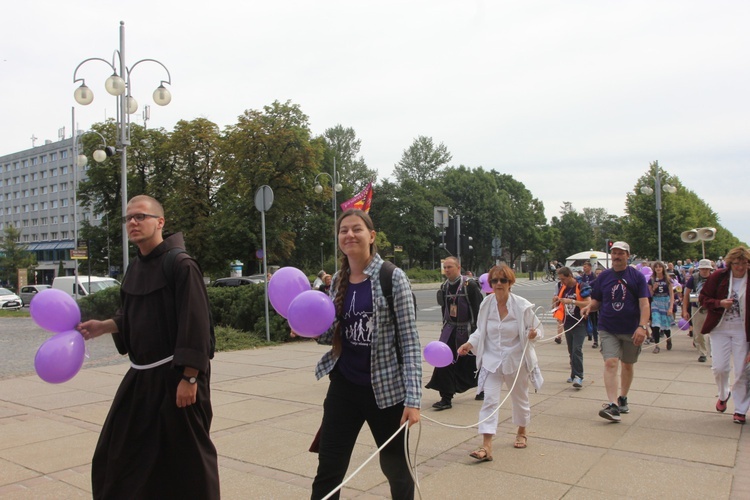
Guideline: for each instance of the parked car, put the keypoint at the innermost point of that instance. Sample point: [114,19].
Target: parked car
[254,279]
[9,300]
[28,292]
[98,283]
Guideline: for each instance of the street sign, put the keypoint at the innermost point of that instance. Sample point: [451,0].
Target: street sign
[264,198]
[497,249]
[78,254]
[440,215]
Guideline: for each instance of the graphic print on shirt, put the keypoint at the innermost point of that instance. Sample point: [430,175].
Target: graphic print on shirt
[357,323]
[619,294]
[733,313]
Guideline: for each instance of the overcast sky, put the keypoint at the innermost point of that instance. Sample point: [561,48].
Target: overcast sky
[573,98]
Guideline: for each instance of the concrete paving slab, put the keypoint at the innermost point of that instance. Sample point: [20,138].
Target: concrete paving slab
[54,454]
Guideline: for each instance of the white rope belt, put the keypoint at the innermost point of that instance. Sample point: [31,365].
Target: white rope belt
[152,365]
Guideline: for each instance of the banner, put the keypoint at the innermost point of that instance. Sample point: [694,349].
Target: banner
[361,200]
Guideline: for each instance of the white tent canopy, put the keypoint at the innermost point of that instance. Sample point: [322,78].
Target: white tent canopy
[577,260]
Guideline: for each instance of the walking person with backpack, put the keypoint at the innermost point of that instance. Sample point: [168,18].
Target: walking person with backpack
[155,441]
[375,364]
[570,298]
[459,298]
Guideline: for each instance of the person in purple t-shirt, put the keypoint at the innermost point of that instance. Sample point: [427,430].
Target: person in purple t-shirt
[620,294]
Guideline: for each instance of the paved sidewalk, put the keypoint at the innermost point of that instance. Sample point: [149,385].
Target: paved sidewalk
[267,406]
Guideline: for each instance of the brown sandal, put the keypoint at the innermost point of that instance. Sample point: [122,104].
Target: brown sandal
[520,441]
[481,455]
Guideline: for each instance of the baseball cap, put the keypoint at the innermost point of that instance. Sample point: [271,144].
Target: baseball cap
[705,264]
[621,245]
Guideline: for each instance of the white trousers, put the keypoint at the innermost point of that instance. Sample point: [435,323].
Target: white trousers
[519,397]
[726,348]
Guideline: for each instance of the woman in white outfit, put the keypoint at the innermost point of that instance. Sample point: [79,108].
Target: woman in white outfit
[503,342]
[726,297]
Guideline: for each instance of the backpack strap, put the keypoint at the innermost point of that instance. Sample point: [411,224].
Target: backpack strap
[386,284]
[167,265]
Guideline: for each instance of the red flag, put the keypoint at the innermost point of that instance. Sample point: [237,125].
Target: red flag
[361,200]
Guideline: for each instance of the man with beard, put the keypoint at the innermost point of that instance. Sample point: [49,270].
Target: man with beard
[459,299]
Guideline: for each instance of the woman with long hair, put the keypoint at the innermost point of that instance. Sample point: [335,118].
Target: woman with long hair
[374,366]
[504,345]
[726,298]
[662,304]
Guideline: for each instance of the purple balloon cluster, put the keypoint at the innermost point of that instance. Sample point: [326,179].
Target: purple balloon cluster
[310,313]
[60,358]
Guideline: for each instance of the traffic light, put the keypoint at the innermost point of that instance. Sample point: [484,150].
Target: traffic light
[609,245]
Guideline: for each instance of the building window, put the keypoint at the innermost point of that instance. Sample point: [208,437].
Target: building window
[44,189]
[34,222]
[25,177]
[34,191]
[44,158]
[53,156]
[34,207]
[26,223]
[64,220]
[64,235]
[44,174]
[54,188]
[34,160]
[34,237]
[44,236]
[53,172]
[25,163]
[54,219]
[35,176]
[63,186]
[44,223]
[25,209]
[53,235]
[63,170]
[64,154]
[54,203]
[65,202]
[25,193]
[44,205]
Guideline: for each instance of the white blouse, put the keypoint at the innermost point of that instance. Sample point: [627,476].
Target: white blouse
[503,346]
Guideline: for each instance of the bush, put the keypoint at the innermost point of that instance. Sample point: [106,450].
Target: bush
[100,305]
[419,275]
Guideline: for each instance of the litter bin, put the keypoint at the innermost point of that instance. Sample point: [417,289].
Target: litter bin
[531,275]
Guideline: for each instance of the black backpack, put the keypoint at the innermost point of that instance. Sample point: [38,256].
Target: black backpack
[168,270]
[386,284]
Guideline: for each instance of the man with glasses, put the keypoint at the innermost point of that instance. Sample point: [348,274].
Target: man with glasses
[620,294]
[459,299]
[155,442]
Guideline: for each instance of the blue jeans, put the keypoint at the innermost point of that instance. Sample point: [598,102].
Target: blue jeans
[574,338]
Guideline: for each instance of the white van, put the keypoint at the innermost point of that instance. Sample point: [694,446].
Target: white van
[86,284]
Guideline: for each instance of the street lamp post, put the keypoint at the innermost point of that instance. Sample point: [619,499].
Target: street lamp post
[335,187]
[667,188]
[79,161]
[119,85]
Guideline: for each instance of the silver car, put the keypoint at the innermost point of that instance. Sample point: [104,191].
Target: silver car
[28,292]
[9,300]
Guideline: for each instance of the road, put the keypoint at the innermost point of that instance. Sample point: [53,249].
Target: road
[21,337]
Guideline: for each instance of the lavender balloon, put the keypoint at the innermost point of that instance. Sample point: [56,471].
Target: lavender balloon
[311,313]
[287,283]
[683,324]
[55,310]
[438,354]
[647,272]
[484,281]
[60,357]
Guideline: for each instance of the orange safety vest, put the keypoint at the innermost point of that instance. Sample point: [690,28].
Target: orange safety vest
[559,313]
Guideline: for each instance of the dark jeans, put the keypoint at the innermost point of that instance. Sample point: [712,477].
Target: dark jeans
[346,408]
[574,339]
[656,333]
[594,317]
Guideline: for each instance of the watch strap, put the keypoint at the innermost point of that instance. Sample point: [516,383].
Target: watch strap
[191,380]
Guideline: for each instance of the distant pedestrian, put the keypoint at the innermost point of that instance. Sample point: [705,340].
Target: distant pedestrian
[692,309]
[325,286]
[587,278]
[662,305]
[569,301]
[318,280]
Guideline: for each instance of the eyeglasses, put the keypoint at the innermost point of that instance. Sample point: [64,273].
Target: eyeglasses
[494,281]
[138,217]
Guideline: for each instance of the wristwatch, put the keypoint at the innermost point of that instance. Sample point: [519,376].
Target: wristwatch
[191,380]
[645,327]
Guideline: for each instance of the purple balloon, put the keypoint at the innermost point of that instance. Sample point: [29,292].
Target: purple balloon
[683,324]
[311,313]
[438,354]
[283,288]
[60,357]
[484,282]
[55,310]
[647,272]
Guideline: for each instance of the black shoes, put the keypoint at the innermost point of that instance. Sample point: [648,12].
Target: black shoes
[622,404]
[479,397]
[443,404]
[610,412]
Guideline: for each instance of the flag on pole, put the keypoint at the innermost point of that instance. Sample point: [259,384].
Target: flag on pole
[361,200]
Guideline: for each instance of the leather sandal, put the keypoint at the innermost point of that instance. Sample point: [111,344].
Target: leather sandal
[481,455]
[520,441]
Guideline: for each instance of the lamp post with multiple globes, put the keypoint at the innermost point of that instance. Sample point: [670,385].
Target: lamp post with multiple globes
[658,188]
[119,85]
[335,187]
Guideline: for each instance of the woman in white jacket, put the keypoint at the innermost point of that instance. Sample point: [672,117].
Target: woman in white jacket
[503,343]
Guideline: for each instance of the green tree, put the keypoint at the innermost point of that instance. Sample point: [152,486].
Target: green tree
[13,254]
[352,171]
[422,161]
[574,233]
[268,147]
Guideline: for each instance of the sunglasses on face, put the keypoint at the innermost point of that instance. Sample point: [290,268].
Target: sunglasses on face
[494,281]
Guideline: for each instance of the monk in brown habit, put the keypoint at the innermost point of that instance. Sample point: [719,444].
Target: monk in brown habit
[155,441]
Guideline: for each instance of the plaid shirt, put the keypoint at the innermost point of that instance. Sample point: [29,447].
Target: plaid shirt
[392,383]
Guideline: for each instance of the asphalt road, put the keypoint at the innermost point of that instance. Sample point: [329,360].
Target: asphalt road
[21,337]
